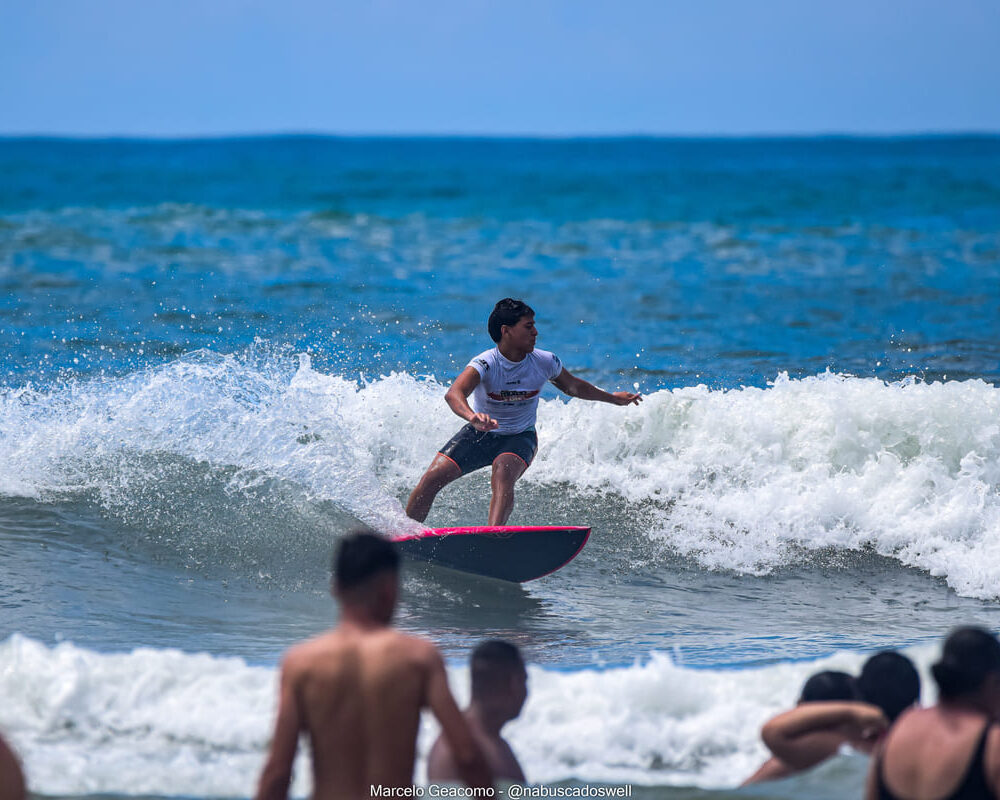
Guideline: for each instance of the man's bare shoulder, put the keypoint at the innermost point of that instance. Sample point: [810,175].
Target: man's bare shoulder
[419,646]
[335,642]
[415,649]
[304,654]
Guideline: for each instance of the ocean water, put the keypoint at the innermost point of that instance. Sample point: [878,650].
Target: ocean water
[218,356]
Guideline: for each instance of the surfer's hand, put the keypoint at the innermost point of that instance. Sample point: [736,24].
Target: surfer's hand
[627,398]
[483,422]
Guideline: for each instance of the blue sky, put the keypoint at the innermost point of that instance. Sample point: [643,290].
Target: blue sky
[558,67]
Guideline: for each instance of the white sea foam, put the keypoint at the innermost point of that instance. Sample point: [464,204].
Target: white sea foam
[260,420]
[167,722]
[746,479]
[749,478]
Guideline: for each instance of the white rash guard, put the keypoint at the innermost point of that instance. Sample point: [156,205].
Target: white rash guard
[508,390]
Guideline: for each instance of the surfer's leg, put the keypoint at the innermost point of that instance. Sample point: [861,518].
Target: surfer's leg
[440,473]
[507,468]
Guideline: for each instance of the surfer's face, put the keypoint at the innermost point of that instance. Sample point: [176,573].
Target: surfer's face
[522,335]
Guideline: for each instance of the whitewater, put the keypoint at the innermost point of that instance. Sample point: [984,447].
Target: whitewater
[163,722]
[746,479]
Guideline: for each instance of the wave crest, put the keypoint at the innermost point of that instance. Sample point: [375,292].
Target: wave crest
[745,479]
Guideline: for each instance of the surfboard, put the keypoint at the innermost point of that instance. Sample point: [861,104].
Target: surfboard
[507,553]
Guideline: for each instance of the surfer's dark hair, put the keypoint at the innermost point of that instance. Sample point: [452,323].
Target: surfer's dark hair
[492,662]
[360,556]
[506,312]
[890,681]
[829,685]
[969,656]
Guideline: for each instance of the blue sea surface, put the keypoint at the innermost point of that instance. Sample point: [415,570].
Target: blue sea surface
[216,356]
[667,261]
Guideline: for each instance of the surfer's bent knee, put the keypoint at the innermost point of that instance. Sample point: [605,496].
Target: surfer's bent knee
[444,469]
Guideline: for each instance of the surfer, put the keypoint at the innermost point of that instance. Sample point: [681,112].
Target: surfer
[505,383]
[357,691]
[499,688]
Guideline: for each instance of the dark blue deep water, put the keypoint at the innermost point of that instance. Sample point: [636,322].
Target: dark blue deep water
[720,260]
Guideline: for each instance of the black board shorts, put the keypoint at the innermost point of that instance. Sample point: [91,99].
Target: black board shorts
[470,449]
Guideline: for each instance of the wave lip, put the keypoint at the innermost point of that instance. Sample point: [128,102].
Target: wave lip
[749,479]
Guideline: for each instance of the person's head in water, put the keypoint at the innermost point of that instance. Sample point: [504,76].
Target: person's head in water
[890,681]
[969,669]
[515,317]
[499,679]
[366,575]
[829,685]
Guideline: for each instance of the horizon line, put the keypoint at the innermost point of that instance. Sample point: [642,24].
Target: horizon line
[306,134]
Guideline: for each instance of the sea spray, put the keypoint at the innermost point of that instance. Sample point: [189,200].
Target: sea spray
[747,479]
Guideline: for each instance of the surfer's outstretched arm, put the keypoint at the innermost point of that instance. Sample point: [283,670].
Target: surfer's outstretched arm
[578,387]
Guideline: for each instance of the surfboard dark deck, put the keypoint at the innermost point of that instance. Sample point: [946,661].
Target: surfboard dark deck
[508,553]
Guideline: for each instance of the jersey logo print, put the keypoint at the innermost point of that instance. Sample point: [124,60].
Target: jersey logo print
[482,361]
[509,396]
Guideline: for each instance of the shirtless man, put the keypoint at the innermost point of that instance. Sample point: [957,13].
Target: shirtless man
[500,432]
[499,688]
[357,691]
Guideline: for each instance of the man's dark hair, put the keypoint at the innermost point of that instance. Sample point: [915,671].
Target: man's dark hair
[507,312]
[360,556]
[970,654]
[890,681]
[491,663]
[829,685]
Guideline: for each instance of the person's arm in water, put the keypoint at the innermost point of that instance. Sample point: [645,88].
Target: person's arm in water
[812,732]
[277,773]
[468,759]
[457,398]
[771,770]
[578,387]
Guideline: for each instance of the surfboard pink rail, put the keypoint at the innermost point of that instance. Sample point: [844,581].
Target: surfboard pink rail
[510,552]
[475,530]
